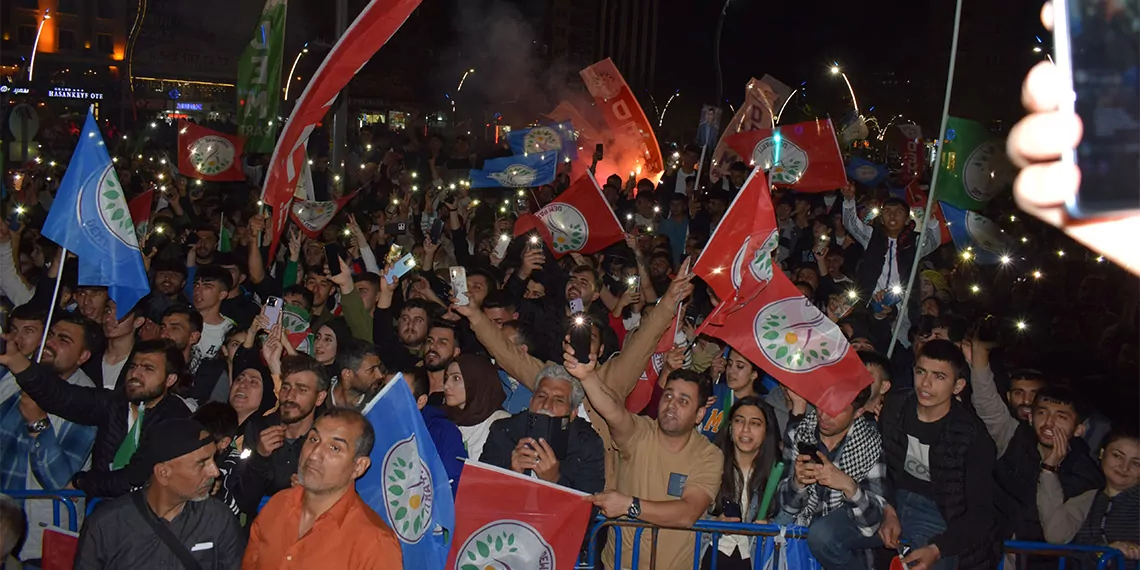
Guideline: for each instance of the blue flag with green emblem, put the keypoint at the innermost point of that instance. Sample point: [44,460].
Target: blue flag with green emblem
[518,171]
[407,484]
[90,218]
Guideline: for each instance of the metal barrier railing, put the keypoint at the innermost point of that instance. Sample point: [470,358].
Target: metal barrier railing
[65,498]
[1104,554]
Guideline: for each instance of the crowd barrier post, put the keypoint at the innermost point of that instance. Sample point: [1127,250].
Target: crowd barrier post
[65,498]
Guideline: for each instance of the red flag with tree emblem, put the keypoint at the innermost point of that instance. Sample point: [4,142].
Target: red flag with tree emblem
[804,157]
[312,216]
[579,221]
[140,207]
[207,154]
[736,255]
[537,525]
[783,333]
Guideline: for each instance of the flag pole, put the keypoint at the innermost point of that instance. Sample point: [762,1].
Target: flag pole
[697,182]
[54,301]
[933,180]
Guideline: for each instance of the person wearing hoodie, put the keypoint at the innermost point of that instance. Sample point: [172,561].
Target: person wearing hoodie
[446,437]
[252,397]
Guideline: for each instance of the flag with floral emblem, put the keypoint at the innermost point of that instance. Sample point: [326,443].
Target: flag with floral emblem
[206,154]
[804,156]
[313,216]
[787,336]
[536,526]
[737,254]
[579,221]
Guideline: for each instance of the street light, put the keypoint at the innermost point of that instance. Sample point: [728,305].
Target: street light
[465,74]
[836,71]
[36,44]
[289,78]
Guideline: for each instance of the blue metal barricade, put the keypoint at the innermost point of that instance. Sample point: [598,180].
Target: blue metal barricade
[65,498]
[1020,549]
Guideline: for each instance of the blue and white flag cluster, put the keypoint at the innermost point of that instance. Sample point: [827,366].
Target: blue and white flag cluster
[518,171]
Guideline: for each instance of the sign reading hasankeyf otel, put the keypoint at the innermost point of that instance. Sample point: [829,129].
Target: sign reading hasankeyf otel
[73,93]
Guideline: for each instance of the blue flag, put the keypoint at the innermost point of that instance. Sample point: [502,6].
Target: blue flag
[560,137]
[865,172]
[90,218]
[518,171]
[976,233]
[407,484]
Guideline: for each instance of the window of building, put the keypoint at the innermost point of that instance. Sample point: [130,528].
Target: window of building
[104,43]
[67,39]
[26,35]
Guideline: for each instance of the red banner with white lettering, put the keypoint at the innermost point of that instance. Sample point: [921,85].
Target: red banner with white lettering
[804,156]
[635,146]
[737,256]
[372,28]
[535,526]
[783,333]
[579,221]
[206,154]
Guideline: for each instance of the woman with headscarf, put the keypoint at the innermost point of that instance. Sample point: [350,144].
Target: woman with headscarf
[252,396]
[473,399]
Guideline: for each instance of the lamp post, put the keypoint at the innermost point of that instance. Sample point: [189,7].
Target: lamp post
[289,79]
[716,53]
[36,45]
[836,71]
[461,81]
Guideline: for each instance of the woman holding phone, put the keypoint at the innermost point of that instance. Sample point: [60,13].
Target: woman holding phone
[751,447]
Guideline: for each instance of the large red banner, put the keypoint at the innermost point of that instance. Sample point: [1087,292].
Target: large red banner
[371,30]
[623,114]
[737,257]
[579,221]
[535,525]
[804,156]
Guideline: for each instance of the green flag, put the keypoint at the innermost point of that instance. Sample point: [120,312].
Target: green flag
[974,166]
[259,80]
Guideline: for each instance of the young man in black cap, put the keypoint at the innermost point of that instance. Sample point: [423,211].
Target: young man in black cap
[171,522]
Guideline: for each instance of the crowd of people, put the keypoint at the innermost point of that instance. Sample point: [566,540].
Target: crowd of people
[208,396]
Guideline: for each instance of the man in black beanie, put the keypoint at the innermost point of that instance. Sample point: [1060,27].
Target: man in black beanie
[170,522]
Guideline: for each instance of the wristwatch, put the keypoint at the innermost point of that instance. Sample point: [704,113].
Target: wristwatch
[635,508]
[39,426]
[1051,468]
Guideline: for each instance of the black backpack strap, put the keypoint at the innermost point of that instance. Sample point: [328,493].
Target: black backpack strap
[164,534]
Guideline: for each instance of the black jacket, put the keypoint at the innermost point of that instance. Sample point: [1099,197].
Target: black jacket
[961,474]
[258,476]
[107,410]
[583,468]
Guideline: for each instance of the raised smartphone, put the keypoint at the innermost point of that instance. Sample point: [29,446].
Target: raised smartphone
[1097,45]
[402,267]
[273,307]
[459,284]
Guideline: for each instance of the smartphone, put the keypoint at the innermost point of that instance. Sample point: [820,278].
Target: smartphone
[14,220]
[459,284]
[273,307]
[396,228]
[1097,59]
[598,151]
[436,230]
[555,430]
[804,448]
[576,306]
[580,337]
[394,254]
[634,283]
[501,245]
[731,509]
[191,238]
[402,267]
[332,257]
[534,242]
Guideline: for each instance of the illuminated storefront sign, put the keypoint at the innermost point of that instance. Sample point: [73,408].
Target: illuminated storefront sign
[73,93]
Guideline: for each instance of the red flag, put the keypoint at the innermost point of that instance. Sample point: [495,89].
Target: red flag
[805,157]
[637,149]
[59,548]
[642,392]
[916,196]
[536,525]
[736,256]
[312,216]
[579,221]
[207,154]
[763,100]
[906,140]
[783,333]
[371,29]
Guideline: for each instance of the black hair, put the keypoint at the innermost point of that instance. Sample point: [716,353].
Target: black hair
[1028,374]
[166,265]
[232,258]
[421,384]
[732,476]
[301,362]
[861,398]
[955,326]
[499,300]
[350,353]
[193,316]
[368,276]
[433,310]
[445,324]
[739,166]
[872,358]
[217,273]
[946,351]
[524,335]
[298,289]
[704,387]
[92,331]
[1120,431]
[219,418]
[584,268]
[896,201]
[29,312]
[367,437]
[1065,396]
[175,363]
[205,227]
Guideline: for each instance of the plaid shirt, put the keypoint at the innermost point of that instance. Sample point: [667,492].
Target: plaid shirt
[55,455]
[867,504]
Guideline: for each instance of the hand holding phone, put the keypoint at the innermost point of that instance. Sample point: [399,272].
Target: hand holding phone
[459,284]
[273,308]
[581,337]
[804,448]
[401,268]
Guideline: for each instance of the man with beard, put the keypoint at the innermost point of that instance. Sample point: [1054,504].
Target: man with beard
[273,460]
[359,375]
[401,346]
[323,522]
[121,417]
[1046,438]
[170,280]
[442,347]
[176,464]
[42,451]
[183,326]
